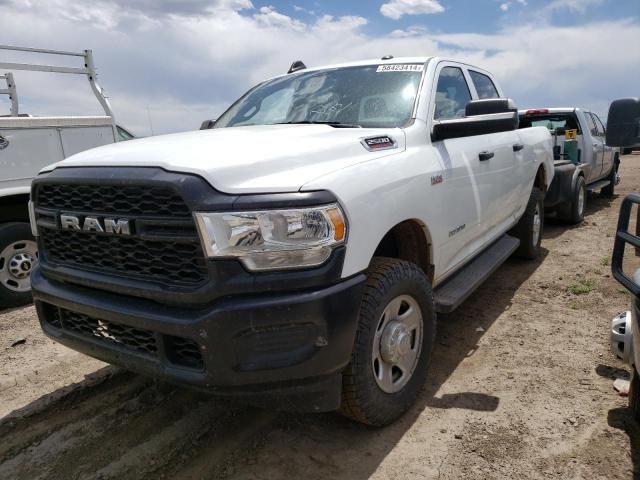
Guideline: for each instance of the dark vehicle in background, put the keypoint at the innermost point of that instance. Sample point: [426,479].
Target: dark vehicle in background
[624,130]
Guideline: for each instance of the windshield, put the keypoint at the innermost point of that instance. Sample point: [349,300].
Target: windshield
[368,96]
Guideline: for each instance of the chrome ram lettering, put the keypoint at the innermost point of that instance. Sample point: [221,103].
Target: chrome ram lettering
[114,226]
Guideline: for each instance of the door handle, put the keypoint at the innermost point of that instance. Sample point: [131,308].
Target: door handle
[485,156]
[517,147]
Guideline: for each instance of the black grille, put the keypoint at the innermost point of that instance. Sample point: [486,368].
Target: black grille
[167,262]
[142,341]
[123,200]
[175,257]
[180,351]
[184,352]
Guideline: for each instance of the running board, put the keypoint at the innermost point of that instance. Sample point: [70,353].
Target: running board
[455,290]
[598,185]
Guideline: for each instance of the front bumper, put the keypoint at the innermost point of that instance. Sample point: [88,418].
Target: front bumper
[285,349]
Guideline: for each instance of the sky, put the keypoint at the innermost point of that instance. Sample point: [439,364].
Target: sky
[167,65]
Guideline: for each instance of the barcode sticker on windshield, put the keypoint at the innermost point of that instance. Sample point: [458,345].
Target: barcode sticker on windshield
[401,67]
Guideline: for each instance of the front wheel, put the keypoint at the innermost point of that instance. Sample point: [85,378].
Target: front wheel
[529,228]
[18,256]
[394,341]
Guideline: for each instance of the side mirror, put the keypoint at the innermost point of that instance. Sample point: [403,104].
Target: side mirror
[481,117]
[207,124]
[623,123]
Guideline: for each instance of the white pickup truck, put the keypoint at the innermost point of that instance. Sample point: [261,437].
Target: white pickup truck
[583,160]
[27,144]
[296,253]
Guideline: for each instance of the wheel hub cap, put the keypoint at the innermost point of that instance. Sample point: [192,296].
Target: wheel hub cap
[16,263]
[395,343]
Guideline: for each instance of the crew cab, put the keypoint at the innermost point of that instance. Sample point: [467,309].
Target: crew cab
[583,160]
[29,143]
[296,253]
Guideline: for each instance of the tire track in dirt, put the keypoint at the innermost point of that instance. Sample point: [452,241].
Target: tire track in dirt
[126,428]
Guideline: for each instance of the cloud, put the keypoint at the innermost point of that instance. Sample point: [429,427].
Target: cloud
[395,9]
[505,6]
[184,66]
[579,6]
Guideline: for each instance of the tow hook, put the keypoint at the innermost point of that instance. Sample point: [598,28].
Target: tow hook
[622,337]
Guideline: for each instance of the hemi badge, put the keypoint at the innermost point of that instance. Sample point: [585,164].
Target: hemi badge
[382,142]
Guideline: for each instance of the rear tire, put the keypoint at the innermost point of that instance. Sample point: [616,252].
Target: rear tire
[573,212]
[394,341]
[18,255]
[634,395]
[609,190]
[529,228]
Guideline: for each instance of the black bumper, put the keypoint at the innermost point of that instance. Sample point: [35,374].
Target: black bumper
[281,349]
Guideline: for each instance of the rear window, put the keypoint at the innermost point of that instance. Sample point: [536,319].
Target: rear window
[552,121]
[484,85]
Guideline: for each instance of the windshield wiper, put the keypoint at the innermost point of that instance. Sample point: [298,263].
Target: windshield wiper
[331,124]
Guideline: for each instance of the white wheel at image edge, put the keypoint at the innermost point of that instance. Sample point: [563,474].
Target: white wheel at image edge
[18,256]
[394,341]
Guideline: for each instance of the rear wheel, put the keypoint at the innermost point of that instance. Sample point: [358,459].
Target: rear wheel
[609,190]
[18,256]
[394,341]
[529,228]
[573,212]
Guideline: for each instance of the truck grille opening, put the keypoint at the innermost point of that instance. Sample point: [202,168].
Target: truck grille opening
[161,261]
[184,352]
[139,340]
[163,248]
[123,200]
[180,351]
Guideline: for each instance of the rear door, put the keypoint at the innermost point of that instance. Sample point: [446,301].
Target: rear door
[607,151]
[501,176]
[597,147]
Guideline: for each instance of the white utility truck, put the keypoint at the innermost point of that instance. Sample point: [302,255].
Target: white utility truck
[296,253]
[27,144]
[583,161]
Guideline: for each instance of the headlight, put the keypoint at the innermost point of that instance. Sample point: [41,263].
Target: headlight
[274,239]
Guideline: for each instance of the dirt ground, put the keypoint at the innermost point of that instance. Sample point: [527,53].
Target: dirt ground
[520,387]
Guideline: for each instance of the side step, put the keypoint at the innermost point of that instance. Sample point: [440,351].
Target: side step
[455,290]
[598,185]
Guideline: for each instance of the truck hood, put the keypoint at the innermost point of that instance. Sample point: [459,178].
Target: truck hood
[252,159]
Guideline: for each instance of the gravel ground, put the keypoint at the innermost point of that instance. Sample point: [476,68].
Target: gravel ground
[520,387]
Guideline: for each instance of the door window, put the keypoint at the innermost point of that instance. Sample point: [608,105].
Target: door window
[591,123]
[452,94]
[599,125]
[484,85]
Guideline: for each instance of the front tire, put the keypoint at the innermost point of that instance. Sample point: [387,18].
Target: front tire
[18,256]
[529,228]
[394,341]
